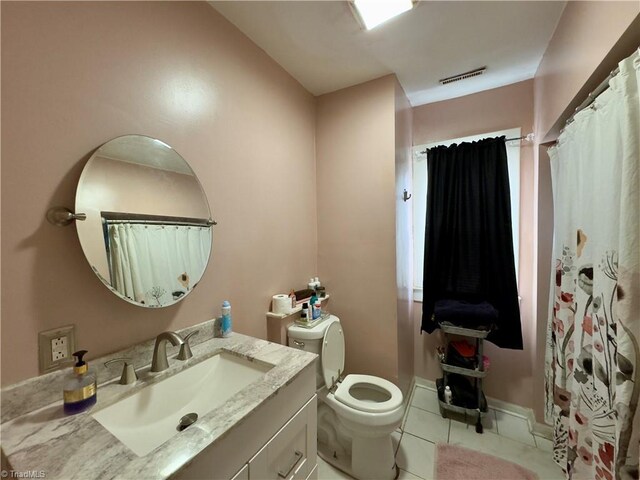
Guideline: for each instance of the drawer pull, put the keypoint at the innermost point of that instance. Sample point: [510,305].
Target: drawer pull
[297,458]
[298,343]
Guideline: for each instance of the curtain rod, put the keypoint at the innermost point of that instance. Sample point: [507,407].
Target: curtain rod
[591,97]
[123,217]
[528,137]
[158,222]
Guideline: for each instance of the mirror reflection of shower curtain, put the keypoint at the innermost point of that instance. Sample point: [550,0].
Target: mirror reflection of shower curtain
[154,264]
[593,337]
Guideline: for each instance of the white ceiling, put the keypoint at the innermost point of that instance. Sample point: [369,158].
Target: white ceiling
[321,44]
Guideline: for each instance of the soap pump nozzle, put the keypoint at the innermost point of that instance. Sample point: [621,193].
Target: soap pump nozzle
[81,366]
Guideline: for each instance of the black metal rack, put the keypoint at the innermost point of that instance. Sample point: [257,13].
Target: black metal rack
[476,374]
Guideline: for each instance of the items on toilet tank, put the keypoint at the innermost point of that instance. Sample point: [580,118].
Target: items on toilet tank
[314,284]
[292,296]
[305,311]
[226,319]
[281,304]
[80,389]
[315,308]
[303,296]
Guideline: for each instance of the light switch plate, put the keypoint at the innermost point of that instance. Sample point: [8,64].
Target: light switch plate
[55,347]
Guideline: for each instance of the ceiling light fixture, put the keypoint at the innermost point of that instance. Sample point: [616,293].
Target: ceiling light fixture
[374,12]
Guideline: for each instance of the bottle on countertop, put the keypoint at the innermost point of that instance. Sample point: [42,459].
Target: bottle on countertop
[80,389]
[226,319]
[447,395]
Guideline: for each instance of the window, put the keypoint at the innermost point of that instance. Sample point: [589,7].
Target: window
[420,197]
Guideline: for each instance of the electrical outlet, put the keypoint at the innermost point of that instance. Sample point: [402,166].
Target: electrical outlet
[56,347]
[60,349]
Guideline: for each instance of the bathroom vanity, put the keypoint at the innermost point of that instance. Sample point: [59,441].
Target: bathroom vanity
[262,429]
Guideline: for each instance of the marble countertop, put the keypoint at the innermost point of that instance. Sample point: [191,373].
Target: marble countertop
[37,437]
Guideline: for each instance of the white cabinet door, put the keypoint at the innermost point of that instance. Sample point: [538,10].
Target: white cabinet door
[291,453]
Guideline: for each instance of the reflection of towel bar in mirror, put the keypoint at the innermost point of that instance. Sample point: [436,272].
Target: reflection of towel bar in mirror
[61,216]
[123,217]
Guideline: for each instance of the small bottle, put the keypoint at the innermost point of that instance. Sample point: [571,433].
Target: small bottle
[447,395]
[305,310]
[292,296]
[315,308]
[303,317]
[317,282]
[80,390]
[311,285]
[226,319]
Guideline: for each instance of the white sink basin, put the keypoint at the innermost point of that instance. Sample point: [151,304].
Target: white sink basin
[151,416]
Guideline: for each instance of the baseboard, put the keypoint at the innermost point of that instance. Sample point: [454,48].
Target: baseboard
[408,398]
[423,382]
[542,430]
[536,428]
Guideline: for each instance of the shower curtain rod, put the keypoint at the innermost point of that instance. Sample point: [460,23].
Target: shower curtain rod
[591,97]
[122,217]
[160,222]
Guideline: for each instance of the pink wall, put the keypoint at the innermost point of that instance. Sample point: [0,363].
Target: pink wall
[75,75]
[511,375]
[584,37]
[404,238]
[355,155]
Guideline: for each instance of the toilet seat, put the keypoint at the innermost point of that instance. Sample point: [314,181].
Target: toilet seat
[343,394]
[332,365]
[332,357]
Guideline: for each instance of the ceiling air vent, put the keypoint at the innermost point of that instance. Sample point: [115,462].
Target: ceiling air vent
[463,76]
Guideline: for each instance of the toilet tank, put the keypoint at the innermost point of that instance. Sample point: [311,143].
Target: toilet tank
[310,340]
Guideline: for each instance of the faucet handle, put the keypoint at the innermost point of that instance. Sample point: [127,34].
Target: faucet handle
[185,349]
[129,375]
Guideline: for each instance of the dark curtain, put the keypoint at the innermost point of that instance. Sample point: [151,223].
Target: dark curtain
[468,252]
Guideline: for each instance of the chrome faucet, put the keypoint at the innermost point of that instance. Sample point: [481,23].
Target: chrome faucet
[159,362]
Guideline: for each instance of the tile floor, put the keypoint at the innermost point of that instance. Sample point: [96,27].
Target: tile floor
[505,435]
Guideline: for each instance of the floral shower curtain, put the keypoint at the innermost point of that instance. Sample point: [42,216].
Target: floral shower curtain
[593,357]
[154,264]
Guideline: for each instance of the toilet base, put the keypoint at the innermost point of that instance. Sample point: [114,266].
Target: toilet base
[341,462]
[373,458]
[364,468]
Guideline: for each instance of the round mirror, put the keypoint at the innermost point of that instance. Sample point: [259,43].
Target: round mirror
[148,230]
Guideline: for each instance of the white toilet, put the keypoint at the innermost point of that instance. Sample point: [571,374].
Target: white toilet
[357,414]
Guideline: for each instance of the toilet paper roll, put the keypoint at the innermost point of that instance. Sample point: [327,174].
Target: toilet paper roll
[281,304]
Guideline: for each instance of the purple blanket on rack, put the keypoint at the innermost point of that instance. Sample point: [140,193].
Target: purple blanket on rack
[463,312]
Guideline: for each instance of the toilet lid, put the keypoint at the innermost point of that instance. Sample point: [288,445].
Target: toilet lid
[384,398]
[332,357]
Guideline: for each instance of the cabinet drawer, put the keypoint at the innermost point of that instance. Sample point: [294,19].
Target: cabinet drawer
[291,453]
